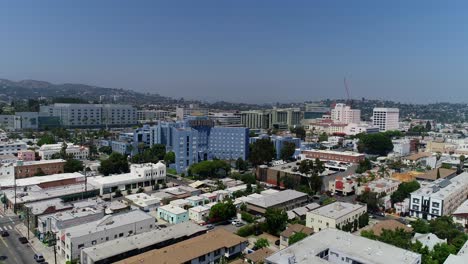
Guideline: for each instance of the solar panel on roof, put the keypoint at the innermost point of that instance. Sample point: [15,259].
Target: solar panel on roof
[444,183]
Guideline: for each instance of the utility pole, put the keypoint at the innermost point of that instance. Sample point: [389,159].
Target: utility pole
[27,219]
[55,248]
[14,186]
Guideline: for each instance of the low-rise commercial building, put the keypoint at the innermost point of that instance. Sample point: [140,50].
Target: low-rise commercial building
[199,214]
[344,186]
[27,155]
[441,197]
[339,247]
[71,241]
[24,169]
[380,186]
[346,156]
[204,249]
[143,201]
[122,248]
[284,200]
[334,215]
[140,175]
[173,214]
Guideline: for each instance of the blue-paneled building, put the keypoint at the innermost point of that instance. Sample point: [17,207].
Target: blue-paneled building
[196,139]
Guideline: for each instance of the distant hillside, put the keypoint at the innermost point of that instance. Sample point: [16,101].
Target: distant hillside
[33,89]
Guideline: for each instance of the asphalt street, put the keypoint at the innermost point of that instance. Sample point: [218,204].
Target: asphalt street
[11,250]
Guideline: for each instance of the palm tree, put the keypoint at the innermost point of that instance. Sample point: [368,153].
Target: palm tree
[383,171]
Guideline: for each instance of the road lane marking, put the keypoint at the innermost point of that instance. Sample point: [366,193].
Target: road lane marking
[1,228]
[10,227]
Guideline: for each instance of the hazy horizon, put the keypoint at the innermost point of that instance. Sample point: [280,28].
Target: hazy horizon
[243,51]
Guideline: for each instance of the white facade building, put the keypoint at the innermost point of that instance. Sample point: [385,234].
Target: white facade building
[79,152]
[335,214]
[339,247]
[91,115]
[199,213]
[386,118]
[71,241]
[441,197]
[140,175]
[401,147]
[12,147]
[343,114]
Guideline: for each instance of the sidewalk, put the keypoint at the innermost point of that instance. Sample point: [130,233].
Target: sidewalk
[37,246]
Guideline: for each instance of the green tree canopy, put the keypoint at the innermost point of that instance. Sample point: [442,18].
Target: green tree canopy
[261,243]
[296,237]
[261,152]
[312,169]
[210,169]
[376,144]
[287,150]
[275,220]
[222,211]
[73,165]
[241,164]
[115,164]
[404,190]
[169,157]
[46,138]
[299,131]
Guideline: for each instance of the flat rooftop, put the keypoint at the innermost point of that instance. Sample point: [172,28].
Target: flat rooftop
[361,249]
[174,209]
[42,179]
[140,241]
[442,188]
[332,152]
[108,222]
[36,193]
[276,198]
[42,162]
[336,210]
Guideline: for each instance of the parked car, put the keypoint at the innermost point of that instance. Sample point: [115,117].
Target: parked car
[38,257]
[235,222]
[239,224]
[5,234]
[209,226]
[277,242]
[23,240]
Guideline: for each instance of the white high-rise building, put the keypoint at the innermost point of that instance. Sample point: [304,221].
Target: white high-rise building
[343,113]
[386,118]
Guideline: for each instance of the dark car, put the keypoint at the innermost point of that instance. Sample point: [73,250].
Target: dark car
[162,226]
[5,234]
[23,240]
[277,242]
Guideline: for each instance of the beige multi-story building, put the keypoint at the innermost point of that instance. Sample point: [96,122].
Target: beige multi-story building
[271,118]
[380,186]
[386,118]
[343,114]
[333,215]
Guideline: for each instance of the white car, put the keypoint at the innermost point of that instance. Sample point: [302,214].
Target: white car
[235,222]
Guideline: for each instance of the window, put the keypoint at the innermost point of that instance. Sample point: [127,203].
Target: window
[93,242]
[435,204]
[80,246]
[202,258]
[121,235]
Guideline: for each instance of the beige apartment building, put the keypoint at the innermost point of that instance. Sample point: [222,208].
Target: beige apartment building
[333,215]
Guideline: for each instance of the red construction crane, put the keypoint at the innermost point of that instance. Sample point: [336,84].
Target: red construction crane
[348,102]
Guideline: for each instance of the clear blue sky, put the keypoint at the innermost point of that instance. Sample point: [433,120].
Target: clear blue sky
[251,51]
